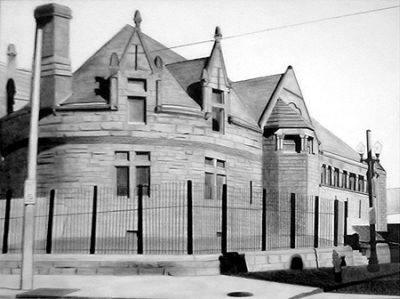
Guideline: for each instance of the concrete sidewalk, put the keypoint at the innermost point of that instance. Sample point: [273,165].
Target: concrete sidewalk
[198,287]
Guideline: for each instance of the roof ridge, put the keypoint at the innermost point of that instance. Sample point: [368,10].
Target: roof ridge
[257,78]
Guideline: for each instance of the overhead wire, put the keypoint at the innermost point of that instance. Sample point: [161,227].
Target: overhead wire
[279,27]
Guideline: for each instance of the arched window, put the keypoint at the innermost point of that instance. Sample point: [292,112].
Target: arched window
[336,177]
[329,176]
[323,174]
[10,95]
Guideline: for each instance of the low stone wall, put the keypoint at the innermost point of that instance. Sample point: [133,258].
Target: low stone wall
[183,265]
[195,265]
[281,259]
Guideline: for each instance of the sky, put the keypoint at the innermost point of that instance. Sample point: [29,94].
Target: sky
[348,67]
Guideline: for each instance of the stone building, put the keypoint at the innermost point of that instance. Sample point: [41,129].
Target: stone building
[136,112]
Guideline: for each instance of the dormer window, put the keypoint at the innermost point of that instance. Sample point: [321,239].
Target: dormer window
[217,96]
[218,119]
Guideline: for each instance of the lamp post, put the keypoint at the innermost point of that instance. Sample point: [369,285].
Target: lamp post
[373,265]
[26,279]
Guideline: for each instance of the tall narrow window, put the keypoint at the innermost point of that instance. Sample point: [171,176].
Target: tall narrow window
[208,185]
[310,145]
[344,179]
[137,109]
[10,95]
[217,119]
[143,178]
[323,174]
[122,181]
[336,177]
[329,175]
[214,178]
[360,183]
[352,181]
[217,96]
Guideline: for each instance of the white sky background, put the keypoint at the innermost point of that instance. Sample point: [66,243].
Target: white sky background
[348,68]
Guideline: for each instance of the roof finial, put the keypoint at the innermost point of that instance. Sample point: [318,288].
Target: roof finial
[137,18]
[218,34]
[11,51]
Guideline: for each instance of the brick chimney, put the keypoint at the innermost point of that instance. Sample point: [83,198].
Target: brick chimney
[56,76]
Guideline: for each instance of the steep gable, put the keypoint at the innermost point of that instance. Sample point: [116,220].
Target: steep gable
[215,66]
[289,91]
[84,83]
[136,55]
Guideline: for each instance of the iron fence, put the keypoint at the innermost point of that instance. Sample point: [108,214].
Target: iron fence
[172,218]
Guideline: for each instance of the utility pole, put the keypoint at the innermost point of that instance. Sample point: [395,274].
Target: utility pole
[26,281]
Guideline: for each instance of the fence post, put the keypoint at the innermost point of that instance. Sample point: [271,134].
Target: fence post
[292,220]
[50,222]
[94,218]
[7,221]
[224,221]
[251,192]
[264,221]
[189,218]
[346,214]
[335,222]
[140,221]
[316,221]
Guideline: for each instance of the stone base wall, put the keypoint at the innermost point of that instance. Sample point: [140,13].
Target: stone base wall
[114,265]
[281,259]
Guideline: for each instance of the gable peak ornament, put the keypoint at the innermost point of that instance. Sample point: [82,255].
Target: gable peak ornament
[218,34]
[137,18]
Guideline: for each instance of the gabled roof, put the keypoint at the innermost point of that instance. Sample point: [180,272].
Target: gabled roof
[333,144]
[283,116]
[256,93]
[97,65]
[188,72]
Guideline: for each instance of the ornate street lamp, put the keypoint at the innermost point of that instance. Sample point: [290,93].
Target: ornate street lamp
[373,265]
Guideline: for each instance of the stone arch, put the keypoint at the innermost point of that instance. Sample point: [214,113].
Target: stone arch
[296,262]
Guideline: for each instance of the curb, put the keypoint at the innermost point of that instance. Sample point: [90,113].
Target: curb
[306,294]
